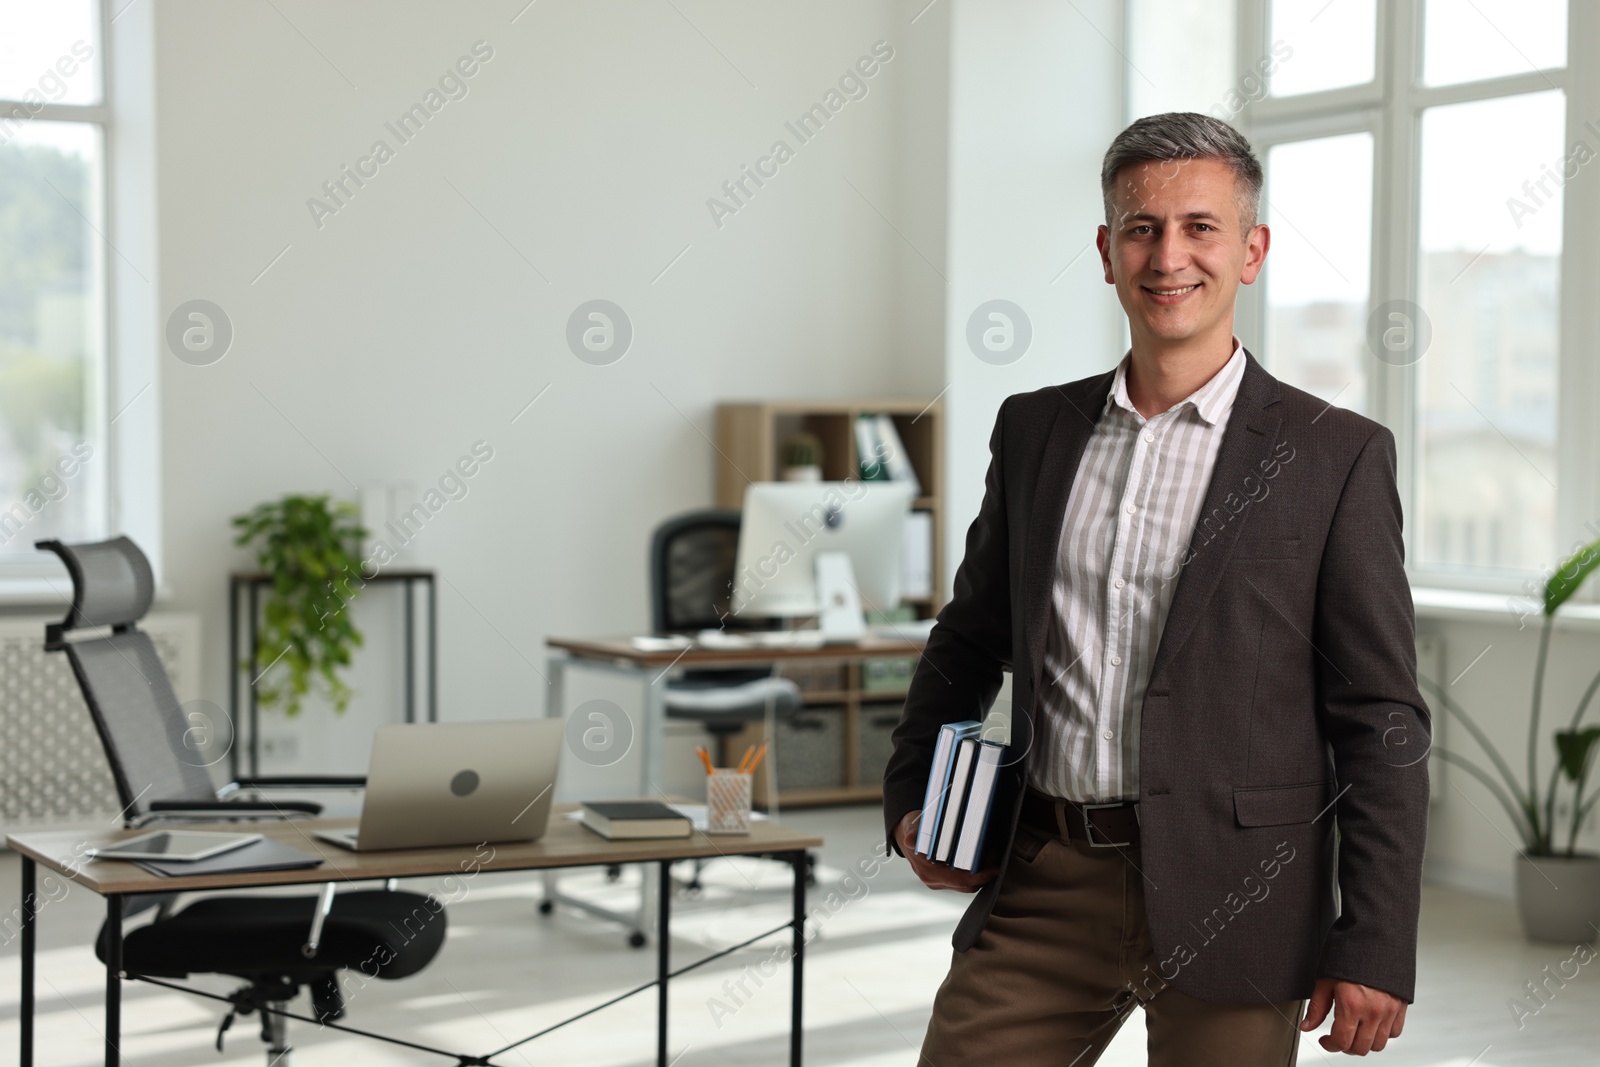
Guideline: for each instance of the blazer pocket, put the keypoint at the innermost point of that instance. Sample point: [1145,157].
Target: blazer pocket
[1278,805]
[1266,548]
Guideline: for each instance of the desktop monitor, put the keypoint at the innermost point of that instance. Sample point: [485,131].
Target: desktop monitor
[787,526]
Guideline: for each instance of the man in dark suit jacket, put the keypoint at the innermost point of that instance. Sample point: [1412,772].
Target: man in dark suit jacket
[1164,829]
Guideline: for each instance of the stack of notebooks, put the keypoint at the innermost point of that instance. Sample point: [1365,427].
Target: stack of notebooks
[961,788]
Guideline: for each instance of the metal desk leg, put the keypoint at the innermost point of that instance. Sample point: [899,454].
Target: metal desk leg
[651,758]
[410,657]
[233,679]
[663,960]
[799,934]
[30,904]
[113,979]
[433,650]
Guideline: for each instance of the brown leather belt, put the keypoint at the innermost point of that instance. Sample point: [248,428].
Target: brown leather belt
[1100,825]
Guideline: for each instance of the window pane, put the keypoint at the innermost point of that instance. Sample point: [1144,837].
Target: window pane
[1319,209]
[1489,285]
[49,53]
[51,335]
[1180,58]
[1465,40]
[1329,45]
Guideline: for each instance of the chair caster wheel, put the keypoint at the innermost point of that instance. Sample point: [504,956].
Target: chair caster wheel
[636,939]
[546,907]
[613,872]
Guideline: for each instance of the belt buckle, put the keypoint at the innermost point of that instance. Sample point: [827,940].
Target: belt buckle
[1089,827]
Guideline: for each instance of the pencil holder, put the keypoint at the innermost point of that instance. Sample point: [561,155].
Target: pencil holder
[727,803]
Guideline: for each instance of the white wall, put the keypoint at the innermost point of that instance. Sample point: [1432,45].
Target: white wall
[412,324]
[1034,103]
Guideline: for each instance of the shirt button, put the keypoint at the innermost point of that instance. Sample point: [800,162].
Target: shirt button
[1119,583]
[1116,661]
[1108,735]
[1149,437]
[1131,509]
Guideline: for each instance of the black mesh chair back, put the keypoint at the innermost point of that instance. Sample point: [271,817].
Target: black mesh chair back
[691,571]
[124,683]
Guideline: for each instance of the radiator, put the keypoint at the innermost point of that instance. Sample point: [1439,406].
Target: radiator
[53,770]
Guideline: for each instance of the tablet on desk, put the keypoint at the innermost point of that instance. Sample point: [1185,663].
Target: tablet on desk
[172,845]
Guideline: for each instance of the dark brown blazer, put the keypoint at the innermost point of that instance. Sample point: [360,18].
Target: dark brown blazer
[1282,700]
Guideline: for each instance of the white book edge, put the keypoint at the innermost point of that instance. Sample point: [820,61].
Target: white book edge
[982,791]
[953,799]
[936,784]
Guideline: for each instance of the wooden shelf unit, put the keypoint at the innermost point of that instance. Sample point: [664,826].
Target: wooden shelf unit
[749,439]
[750,435]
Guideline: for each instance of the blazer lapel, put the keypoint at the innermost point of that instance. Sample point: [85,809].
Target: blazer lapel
[1082,404]
[1247,442]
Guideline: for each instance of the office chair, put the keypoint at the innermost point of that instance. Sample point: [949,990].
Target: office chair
[691,588]
[277,944]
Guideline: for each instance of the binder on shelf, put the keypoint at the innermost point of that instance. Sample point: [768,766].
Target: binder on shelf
[869,452]
[916,555]
[950,821]
[894,454]
[933,800]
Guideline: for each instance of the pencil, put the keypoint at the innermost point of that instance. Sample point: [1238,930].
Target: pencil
[748,751]
[705,758]
[762,751]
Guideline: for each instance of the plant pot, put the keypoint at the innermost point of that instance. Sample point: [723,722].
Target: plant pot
[1558,897]
[809,472]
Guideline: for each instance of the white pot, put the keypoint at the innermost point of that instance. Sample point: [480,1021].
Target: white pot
[808,473]
[1558,897]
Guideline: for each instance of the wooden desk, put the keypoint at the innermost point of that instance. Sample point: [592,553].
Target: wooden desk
[564,844]
[616,655]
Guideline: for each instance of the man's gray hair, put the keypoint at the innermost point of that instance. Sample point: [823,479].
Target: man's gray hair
[1181,136]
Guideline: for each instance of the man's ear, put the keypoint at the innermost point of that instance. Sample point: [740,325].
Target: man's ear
[1255,253]
[1102,241]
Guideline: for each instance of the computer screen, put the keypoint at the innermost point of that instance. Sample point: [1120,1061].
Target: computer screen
[786,524]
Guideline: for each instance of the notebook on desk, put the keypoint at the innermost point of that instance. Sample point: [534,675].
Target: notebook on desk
[263,855]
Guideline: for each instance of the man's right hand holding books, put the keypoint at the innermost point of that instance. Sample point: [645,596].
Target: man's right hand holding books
[936,875]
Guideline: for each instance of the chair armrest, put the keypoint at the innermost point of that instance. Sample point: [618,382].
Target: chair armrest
[167,807]
[297,781]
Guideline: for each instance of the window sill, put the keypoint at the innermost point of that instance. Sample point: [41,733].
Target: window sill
[45,596]
[1515,611]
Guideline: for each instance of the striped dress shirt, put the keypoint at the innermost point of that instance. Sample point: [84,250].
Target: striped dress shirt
[1129,519]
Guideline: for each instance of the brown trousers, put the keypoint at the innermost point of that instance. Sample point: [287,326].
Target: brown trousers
[1064,959]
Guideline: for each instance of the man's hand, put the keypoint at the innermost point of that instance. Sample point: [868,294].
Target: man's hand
[935,875]
[1364,1019]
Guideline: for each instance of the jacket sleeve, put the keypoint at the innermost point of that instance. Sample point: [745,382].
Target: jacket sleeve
[961,667]
[1377,725]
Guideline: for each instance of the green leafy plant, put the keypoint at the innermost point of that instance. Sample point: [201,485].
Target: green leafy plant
[1535,816]
[802,450]
[309,546]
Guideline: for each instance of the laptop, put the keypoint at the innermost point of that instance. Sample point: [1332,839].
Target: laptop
[435,784]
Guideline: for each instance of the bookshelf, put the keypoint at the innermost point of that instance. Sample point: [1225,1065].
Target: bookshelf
[832,748]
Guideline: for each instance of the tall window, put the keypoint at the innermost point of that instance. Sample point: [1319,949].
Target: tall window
[53,304]
[1420,158]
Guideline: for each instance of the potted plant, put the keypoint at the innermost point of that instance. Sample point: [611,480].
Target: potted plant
[802,458]
[1558,887]
[308,546]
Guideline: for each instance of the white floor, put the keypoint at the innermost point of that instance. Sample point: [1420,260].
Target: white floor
[881,948]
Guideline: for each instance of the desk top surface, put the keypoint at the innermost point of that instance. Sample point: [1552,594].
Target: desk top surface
[566,843]
[622,648]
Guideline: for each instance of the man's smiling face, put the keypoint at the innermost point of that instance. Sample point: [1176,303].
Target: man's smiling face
[1178,251]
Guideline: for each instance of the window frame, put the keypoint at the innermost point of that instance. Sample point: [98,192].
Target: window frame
[1390,107]
[28,581]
